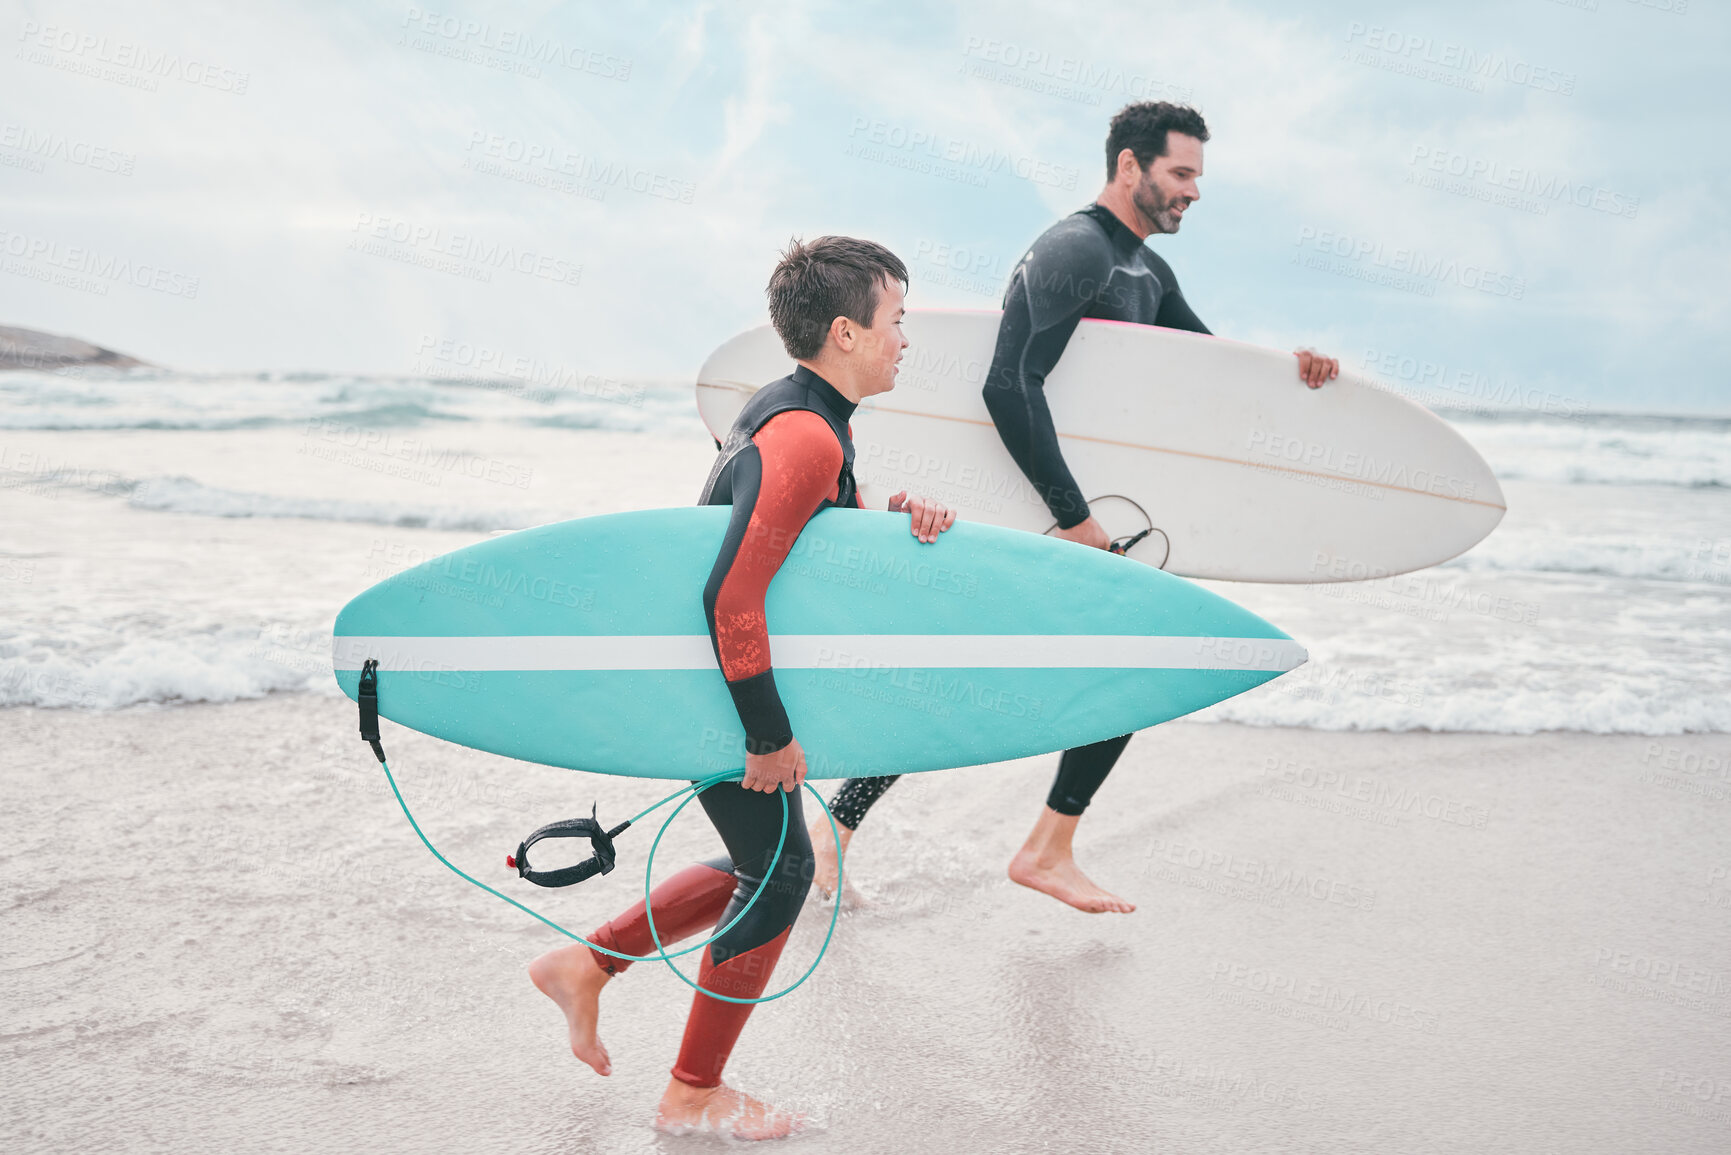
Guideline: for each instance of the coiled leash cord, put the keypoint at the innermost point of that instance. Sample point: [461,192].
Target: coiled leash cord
[602,860]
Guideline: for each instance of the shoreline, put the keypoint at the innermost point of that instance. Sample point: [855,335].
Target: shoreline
[1343,940]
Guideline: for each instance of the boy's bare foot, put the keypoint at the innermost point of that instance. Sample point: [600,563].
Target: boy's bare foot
[1046,864]
[722,1111]
[570,978]
[828,866]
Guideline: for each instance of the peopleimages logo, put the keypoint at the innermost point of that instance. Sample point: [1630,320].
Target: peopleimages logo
[1066,77]
[1324,995]
[136,65]
[1364,467]
[1412,263]
[524,376]
[1469,386]
[493,154]
[327,439]
[1468,63]
[1375,793]
[958,266]
[1543,187]
[460,36]
[91,270]
[879,140]
[70,149]
[1263,878]
[462,253]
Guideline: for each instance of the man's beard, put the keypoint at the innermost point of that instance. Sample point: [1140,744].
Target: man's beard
[1155,207]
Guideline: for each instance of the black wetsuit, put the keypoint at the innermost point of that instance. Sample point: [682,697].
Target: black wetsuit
[788,456]
[1087,265]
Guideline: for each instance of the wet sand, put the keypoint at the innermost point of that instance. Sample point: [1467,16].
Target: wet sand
[222,935]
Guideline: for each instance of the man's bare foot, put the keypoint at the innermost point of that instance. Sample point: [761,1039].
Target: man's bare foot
[1064,881]
[722,1111]
[1047,864]
[570,978]
[828,866]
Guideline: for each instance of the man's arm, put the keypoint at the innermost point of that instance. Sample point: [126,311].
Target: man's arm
[778,483]
[1175,311]
[1045,303]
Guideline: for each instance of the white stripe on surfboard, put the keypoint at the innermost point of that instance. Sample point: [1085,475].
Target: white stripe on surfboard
[825,652]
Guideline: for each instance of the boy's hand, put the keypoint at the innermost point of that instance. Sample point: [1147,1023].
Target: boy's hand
[929,518]
[782,770]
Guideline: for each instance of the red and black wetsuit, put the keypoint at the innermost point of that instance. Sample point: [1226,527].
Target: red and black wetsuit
[1087,265]
[788,455]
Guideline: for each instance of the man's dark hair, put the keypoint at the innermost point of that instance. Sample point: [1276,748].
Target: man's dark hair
[818,281]
[1142,129]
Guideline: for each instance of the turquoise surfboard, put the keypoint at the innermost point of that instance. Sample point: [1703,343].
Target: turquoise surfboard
[583,644]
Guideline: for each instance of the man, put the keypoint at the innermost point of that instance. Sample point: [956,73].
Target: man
[837,305]
[1090,264]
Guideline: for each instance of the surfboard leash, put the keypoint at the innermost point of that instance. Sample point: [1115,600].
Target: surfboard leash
[604,856]
[1123,545]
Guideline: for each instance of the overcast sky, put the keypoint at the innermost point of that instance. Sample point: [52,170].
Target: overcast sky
[1508,198]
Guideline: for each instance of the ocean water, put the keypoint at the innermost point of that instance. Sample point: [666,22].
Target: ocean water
[222,935]
[171,538]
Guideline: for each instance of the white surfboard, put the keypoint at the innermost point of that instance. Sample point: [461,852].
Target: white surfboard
[1243,473]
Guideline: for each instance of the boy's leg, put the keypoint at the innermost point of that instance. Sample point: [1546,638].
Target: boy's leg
[686,903]
[572,976]
[740,963]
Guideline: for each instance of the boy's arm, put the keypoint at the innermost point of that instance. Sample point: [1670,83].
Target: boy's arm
[778,483]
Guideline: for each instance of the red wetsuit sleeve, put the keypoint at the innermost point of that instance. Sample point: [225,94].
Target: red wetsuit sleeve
[798,463]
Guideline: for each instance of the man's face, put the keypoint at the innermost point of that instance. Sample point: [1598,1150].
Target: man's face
[1168,184]
[879,348]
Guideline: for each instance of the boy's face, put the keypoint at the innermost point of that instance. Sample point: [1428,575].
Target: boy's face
[879,348]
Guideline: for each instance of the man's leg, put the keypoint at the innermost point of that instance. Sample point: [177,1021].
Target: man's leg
[849,807]
[573,975]
[1046,861]
[740,962]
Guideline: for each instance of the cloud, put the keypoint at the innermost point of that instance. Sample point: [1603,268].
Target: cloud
[678,149]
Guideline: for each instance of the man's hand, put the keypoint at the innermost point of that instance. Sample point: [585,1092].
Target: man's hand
[1086,533]
[929,518]
[782,770]
[1314,368]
